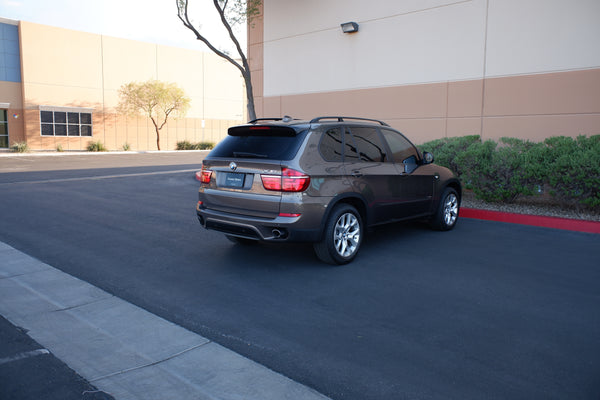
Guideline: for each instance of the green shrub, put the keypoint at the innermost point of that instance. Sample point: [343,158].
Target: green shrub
[205,145]
[446,150]
[20,147]
[184,145]
[504,171]
[574,170]
[126,147]
[187,145]
[96,146]
[59,148]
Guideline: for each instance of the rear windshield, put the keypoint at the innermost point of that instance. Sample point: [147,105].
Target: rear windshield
[261,147]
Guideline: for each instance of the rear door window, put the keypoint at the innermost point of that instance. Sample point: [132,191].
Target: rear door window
[350,149]
[369,143]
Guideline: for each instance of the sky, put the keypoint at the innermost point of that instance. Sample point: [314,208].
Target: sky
[153,21]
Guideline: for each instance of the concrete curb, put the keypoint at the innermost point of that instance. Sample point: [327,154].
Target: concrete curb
[532,220]
[124,350]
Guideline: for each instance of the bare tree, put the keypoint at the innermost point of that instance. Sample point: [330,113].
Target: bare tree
[231,13]
[154,99]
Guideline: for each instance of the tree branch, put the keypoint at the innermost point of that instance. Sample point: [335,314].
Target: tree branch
[238,14]
[188,24]
[230,31]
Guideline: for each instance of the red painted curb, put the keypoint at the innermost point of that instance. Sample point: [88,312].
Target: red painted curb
[534,220]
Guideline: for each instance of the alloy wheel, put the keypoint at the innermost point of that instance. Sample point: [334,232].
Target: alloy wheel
[347,234]
[450,209]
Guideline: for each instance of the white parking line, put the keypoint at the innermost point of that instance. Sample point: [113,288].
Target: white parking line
[21,356]
[86,178]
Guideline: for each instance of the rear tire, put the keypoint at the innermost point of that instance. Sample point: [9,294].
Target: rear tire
[447,213]
[342,236]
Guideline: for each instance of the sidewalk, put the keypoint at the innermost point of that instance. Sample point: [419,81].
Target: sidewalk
[28,371]
[122,350]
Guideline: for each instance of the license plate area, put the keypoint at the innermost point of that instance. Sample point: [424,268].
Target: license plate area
[234,180]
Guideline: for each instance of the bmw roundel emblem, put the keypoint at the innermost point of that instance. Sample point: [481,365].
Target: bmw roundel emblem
[232,166]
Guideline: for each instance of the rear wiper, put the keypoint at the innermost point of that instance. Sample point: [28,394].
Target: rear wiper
[248,155]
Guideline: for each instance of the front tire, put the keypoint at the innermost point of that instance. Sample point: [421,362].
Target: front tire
[447,213]
[342,236]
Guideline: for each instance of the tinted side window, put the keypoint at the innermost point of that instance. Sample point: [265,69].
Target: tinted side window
[402,150]
[331,144]
[369,144]
[350,149]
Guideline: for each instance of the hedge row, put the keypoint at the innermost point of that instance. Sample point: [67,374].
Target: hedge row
[186,145]
[503,171]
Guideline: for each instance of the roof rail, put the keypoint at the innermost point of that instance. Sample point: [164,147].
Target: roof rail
[286,118]
[342,119]
[264,119]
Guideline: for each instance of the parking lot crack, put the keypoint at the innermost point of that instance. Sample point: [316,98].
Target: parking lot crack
[83,304]
[124,371]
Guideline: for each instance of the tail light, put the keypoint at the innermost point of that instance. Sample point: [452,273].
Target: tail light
[290,180]
[205,175]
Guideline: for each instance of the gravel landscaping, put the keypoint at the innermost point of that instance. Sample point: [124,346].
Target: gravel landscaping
[531,206]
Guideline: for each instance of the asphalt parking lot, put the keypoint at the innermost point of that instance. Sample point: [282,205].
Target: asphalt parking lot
[489,310]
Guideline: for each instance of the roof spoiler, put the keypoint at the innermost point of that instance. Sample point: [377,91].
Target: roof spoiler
[261,130]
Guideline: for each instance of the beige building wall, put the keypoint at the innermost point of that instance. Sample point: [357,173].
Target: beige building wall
[65,68]
[12,101]
[434,68]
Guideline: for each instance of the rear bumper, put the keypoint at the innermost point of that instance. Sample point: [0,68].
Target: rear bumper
[279,229]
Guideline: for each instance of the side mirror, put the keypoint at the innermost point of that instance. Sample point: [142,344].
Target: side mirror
[427,157]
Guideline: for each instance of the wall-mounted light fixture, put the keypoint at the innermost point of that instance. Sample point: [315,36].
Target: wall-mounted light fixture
[349,27]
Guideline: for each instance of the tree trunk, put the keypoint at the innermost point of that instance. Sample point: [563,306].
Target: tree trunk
[250,99]
[157,139]
[249,91]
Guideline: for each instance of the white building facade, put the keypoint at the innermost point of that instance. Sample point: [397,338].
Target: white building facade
[433,68]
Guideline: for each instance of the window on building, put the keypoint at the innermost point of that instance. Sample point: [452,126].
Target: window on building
[10,59]
[3,129]
[64,121]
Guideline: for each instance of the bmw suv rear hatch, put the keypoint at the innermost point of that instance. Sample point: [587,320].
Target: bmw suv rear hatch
[244,174]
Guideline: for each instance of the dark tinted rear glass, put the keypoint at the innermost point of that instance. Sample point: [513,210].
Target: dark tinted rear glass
[331,144]
[260,147]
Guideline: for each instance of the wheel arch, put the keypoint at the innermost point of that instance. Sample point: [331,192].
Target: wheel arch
[454,184]
[353,199]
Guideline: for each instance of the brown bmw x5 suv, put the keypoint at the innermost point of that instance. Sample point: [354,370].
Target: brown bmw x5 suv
[323,181]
